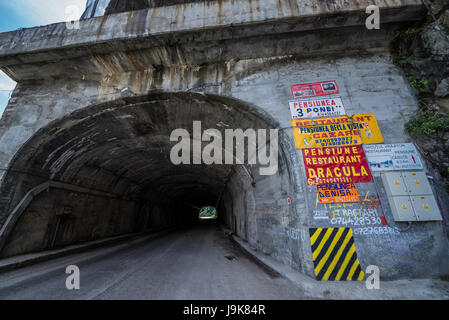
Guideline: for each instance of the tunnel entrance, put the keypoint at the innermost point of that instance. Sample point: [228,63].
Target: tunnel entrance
[107,171]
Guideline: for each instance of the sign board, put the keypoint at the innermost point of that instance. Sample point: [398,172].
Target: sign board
[369,129]
[336,165]
[315,89]
[365,123]
[366,217]
[338,193]
[311,122]
[327,135]
[316,108]
[388,157]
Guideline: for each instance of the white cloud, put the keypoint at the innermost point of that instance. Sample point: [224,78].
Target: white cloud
[6,84]
[44,12]
[40,12]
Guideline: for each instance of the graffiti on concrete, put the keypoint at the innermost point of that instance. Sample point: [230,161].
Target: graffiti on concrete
[365,217]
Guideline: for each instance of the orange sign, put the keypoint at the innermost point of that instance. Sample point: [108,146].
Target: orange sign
[338,193]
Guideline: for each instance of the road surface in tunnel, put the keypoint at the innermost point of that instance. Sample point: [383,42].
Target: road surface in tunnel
[196,263]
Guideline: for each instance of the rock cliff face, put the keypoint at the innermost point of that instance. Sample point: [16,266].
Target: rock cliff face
[95,8]
[422,51]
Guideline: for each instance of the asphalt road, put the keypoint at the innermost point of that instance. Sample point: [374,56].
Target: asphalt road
[196,263]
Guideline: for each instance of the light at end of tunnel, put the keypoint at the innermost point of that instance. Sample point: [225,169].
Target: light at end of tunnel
[208,213]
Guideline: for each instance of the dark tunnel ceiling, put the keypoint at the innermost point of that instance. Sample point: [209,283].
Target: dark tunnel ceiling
[123,146]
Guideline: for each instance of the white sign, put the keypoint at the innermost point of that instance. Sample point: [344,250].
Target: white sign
[317,108]
[388,157]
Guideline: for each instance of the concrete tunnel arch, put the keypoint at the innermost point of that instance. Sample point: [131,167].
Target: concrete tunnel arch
[114,158]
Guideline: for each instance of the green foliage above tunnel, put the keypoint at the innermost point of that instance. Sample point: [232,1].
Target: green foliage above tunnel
[427,123]
[422,52]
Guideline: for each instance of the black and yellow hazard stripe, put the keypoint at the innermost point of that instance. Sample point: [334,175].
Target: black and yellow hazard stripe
[334,255]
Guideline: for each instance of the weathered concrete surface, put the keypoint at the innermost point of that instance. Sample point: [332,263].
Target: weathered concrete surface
[240,61]
[199,263]
[416,289]
[196,33]
[123,147]
[193,264]
[25,260]
[96,8]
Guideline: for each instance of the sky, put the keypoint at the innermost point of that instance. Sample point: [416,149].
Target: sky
[16,14]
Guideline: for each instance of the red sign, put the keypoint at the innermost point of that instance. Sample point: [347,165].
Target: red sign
[336,165]
[315,89]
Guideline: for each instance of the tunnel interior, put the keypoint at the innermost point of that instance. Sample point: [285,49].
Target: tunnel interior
[118,153]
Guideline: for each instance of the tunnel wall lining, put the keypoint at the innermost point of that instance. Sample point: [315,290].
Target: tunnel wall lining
[57,135]
[36,229]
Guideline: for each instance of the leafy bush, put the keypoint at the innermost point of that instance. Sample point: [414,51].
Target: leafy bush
[421,85]
[427,123]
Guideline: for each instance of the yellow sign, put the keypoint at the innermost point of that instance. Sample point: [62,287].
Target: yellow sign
[318,121]
[327,135]
[369,129]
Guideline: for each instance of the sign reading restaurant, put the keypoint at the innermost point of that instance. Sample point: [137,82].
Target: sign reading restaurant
[336,165]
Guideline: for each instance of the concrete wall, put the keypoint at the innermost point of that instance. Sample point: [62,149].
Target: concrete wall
[59,217]
[256,64]
[82,218]
[369,83]
[259,211]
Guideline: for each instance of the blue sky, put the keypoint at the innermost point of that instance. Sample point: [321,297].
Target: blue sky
[15,14]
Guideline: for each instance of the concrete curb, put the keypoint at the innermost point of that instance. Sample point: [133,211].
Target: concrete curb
[17,262]
[409,289]
[257,260]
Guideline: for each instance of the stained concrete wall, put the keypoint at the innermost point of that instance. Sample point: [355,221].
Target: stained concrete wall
[81,218]
[256,64]
[95,8]
[369,83]
[60,217]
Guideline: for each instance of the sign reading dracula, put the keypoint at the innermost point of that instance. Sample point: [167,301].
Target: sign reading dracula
[336,165]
